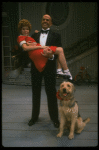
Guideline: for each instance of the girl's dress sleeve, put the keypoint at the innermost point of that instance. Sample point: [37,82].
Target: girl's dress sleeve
[21,40]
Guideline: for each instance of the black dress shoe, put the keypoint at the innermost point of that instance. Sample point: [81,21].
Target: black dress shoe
[56,124]
[72,81]
[32,122]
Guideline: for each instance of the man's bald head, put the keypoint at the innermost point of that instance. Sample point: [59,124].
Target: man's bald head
[46,21]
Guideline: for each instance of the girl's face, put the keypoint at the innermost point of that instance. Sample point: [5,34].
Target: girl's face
[25,31]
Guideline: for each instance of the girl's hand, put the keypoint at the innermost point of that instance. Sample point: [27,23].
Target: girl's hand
[31,43]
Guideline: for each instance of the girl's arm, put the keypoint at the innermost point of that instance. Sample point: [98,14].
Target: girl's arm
[29,48]
[31,43]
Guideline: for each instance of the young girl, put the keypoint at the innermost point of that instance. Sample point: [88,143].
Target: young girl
[35,51]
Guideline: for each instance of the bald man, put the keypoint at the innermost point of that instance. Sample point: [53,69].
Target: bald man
[49,38]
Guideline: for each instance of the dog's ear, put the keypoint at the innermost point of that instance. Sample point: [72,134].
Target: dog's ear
[74,88]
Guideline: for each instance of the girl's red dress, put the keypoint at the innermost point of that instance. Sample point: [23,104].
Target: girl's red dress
[35,55]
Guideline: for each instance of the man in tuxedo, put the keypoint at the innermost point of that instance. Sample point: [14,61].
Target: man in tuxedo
[49,38]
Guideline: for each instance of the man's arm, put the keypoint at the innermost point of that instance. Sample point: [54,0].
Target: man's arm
[58,40]
[57,43]
[48,53]
[34,35]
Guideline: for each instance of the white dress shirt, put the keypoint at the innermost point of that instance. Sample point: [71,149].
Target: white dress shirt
[43,38]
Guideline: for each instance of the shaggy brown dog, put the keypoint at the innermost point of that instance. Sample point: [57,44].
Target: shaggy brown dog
[68,109]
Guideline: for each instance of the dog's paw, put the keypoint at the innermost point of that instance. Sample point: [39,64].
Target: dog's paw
[59,134]
[78,131]
[71,136]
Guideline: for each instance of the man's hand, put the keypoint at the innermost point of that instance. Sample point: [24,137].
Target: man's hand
[47,52]
[36,31]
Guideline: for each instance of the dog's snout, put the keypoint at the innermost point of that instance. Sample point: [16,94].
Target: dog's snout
[64,90]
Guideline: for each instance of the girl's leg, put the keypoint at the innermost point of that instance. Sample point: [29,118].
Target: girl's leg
[61,57]
[62,61]
[59,69]
[58,65]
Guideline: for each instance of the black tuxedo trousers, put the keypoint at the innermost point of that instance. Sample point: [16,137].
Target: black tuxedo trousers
[49,75]
[50,81]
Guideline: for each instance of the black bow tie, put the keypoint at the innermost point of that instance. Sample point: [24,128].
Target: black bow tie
[44,31]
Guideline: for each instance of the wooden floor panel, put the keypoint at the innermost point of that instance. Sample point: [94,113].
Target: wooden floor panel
[16,113]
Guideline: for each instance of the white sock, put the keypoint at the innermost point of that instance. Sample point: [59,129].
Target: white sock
[58,70]
[66,70]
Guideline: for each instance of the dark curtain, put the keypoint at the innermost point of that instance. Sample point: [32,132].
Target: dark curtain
[12,10]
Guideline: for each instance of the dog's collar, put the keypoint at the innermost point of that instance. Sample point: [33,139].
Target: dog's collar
[58,96]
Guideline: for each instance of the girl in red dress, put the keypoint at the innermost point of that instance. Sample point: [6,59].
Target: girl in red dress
[35,50]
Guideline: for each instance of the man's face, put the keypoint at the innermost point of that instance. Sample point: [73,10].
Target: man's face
[46,22]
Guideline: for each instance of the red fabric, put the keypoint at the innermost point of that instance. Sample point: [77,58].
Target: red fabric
[57,95]
[35,55]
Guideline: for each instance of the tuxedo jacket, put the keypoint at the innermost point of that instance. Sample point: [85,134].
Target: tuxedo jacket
[53,39]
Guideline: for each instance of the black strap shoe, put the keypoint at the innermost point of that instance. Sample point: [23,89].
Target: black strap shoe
[56,124]
[32,122]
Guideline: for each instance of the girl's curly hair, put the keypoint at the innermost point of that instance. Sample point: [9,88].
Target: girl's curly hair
[23,23]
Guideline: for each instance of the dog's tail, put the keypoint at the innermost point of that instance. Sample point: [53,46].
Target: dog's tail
[86,120]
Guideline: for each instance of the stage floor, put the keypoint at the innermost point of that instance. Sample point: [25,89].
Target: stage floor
[16,113]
